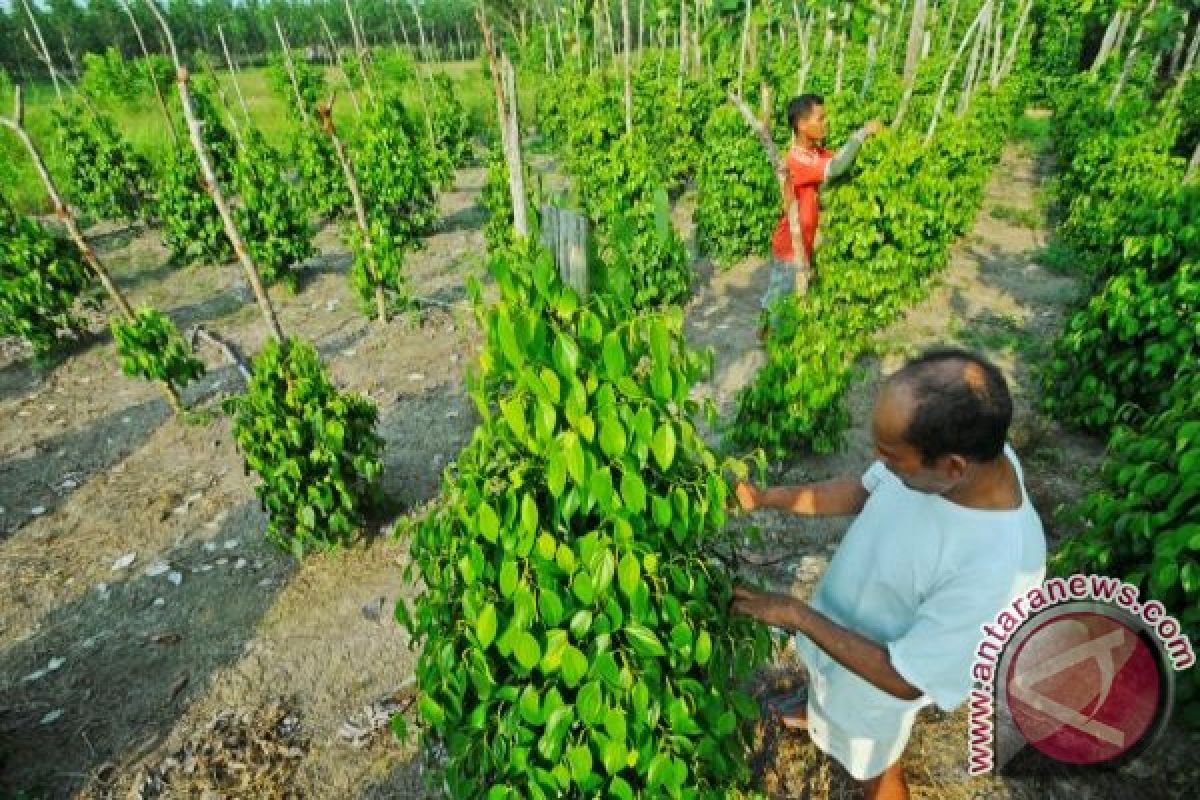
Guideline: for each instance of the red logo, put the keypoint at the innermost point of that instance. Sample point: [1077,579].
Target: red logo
[1084,687]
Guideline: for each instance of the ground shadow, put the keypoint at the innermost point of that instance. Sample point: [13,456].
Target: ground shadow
[423,433]
[134,656]
[469,218]
[405,781]
[51,469]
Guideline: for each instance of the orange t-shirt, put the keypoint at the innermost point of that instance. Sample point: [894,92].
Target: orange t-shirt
[807,171]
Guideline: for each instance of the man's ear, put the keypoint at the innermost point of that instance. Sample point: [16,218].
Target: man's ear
[954,466]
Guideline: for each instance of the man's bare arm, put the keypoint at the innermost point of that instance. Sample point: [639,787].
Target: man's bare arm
[833,498]
[852,650]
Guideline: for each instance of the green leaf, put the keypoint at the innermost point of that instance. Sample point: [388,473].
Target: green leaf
[629,573]
[703,649]
[485,626]
[526,650]
[574,666]
[612,437]
[644,641]
[431,711]
[633,492]
[580,759]
[556,473]
[488,522]
[573,454]
[589,703]
[509,575]
[614,357]
[663,445]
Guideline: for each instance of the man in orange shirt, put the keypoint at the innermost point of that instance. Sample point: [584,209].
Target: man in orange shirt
[810,166]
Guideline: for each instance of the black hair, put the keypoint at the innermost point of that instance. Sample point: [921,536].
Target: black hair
[958,410]
[800,107]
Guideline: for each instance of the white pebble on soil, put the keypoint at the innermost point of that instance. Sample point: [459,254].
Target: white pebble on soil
[124,561]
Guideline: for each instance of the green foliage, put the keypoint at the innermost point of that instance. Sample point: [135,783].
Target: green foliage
[886,232]
[221,145]
[451,124]
[314,448]
[576,638]
[496,198]
[191,225]
[1143,523]
[103,176]
[1136,228]
[624,195]
[324,182]
[271,215]
[42,278]
[738,203]
[392,166]
[311,80]
[113,81]
[151,347]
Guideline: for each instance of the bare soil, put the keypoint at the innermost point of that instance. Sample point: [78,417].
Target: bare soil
[214,666]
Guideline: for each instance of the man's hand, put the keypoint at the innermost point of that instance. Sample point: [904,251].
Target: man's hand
[873,127]
[776,610]
[747,496]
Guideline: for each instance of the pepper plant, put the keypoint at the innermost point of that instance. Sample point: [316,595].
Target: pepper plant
[43,283]
[271,215]
[575,627]
[151,347]
[314,448]
[103,176]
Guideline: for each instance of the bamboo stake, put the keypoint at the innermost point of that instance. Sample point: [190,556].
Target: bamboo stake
[762,129]
[946,77]
[16,124]
[973,62]
[234,128]
[325,112]
[896,37]
[641,29]
[742,52]
[337,57]
[949,34]
[870,68]
[420,28]
[1177,50]
[997,46]
[1193,165]
[506,117]
[1010,59]
[364,56]
[37,30]
[916,35]
[291,71]
[233,74]
[683,43]
[1110,35]
[1131,56]
[158,93]
[213,184]
[841,56]
[628,76]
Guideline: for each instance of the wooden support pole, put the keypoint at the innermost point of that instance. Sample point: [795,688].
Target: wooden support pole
[233,74]
[1131,56]
[214,185]
[341,65]
[325,112]
[628,31]
[291,71]
[949,73]
[16,124]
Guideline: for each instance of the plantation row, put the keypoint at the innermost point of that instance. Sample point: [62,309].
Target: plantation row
[574,627]
[1126,365]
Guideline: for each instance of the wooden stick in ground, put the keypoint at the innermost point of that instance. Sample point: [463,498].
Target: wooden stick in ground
[234,128]
[364,56]
[948,33]
[233,74]
[506,118]
[628,76]
[16,124]
[945,87]
[325,112]
[1110,35]
[870,68]
[683,44]
[973,64]
[1131,57]
[792,210]
[916,37]
[841,56]
[997,45]
[1010,58]
[1177,50]
[213,185]
[337,57]
[291,71]
[158,93]
[745,44]
[45,51]
[211,339]
[1193,165]
[420,28]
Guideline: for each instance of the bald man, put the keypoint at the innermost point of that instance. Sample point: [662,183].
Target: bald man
[944,537]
